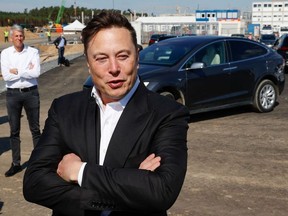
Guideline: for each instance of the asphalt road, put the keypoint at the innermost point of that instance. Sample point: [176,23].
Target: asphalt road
[238,159]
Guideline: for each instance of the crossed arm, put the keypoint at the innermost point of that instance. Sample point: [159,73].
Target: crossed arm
[27,70]
[70,165]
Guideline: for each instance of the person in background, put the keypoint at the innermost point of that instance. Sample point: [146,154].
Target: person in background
[114,149]
[49,35]
[60,43]
[6,35]
[20,66]
[250,36]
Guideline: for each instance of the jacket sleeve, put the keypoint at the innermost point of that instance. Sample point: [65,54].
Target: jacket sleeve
[56,41]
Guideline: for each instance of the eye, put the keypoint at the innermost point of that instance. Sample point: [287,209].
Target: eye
[100,59]
[123,57]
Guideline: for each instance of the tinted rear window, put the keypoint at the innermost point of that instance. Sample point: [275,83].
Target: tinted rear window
[242,50]
[268,37]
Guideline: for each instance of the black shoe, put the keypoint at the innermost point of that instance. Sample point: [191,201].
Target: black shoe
[13,170]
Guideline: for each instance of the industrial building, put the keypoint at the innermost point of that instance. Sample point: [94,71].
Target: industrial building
[203,22]
[270,13]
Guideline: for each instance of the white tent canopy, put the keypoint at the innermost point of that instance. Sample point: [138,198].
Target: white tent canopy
[75,26]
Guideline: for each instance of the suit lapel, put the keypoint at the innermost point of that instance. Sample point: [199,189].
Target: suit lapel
[130,125]
[93,131]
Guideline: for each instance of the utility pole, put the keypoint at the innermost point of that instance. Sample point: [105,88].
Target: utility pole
[75,9]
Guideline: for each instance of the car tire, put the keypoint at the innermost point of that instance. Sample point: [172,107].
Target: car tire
[265,96]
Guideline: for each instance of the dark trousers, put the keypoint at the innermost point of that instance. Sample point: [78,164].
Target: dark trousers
[15,101]
[60,55]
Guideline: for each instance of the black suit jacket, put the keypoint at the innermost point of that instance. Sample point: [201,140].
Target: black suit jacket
[150,123]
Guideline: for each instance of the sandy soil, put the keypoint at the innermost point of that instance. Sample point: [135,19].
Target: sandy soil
[49,52]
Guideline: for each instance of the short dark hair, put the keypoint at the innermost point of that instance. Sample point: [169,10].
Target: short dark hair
[104,20]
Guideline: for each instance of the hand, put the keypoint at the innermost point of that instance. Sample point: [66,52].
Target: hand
[14,71]
[30,66]
[68,167]
[150,163]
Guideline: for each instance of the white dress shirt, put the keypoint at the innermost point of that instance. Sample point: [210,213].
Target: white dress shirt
[109,117]
[62,42]
[23,62]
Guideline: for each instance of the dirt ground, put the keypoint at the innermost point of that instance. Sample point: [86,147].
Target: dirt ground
[49,52]
[238,159]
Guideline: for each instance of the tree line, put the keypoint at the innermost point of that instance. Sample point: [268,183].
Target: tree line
[44,15]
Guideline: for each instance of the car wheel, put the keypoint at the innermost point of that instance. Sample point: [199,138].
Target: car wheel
[265,96]
[168,94]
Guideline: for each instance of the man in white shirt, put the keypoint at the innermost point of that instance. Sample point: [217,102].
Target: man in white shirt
[20,66]
[60,44]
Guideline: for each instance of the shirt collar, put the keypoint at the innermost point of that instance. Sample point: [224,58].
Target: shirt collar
[24,49]
[123,102]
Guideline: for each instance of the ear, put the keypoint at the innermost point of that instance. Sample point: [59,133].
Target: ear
[88,68]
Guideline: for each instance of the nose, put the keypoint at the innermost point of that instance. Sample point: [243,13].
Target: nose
[114,67]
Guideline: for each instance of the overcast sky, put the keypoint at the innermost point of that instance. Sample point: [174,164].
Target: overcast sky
[146,6]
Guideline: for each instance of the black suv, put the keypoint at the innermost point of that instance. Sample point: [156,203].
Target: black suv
[211,72]
[154,38]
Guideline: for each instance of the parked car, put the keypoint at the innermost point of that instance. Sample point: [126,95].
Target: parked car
[238,35]
[166,37]
[154,38]
[267,39]
[281,46]
[212,72]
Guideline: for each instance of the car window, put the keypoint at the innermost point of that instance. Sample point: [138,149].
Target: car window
[268,37]
[213,54]
[167,54]
[277,42]
[238,35]
[155,36]
[241,50]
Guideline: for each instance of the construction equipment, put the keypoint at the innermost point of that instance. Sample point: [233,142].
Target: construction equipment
[60,12]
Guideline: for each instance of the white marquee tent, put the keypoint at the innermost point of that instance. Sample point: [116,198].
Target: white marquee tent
[75,26]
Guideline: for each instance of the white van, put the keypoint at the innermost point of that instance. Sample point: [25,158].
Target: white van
[266,29]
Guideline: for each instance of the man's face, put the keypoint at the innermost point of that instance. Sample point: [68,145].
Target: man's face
[113,61]
[17,40]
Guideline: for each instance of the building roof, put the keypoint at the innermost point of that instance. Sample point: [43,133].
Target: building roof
[166,19]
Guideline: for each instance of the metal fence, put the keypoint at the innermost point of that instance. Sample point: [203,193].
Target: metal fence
[208,28]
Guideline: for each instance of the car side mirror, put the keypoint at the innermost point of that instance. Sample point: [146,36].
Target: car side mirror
[196,65]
